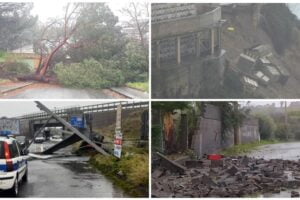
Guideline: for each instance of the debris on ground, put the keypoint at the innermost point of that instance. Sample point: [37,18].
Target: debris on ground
[229,177]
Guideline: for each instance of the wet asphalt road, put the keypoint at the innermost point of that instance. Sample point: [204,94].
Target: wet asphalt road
[286,151]
[60,93]
[65,176]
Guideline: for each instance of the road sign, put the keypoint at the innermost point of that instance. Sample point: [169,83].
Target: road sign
[77,121]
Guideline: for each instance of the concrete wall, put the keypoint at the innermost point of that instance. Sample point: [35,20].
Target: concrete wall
[207,138]
[249,131]
[192,78]
[103,119]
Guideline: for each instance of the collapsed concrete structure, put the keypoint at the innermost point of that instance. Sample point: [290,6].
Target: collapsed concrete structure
[259,64]
[187,57]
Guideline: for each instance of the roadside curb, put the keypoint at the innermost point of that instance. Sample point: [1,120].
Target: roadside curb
[128,94]
[3,91]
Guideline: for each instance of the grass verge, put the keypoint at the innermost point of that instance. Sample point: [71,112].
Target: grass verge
[245,148]
[139,85]
[130,172]
[3,80]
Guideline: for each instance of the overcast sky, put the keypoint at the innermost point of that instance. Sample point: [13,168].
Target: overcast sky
[18,108]
[51,9]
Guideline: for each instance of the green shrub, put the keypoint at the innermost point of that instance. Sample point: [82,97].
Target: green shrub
[17,68]
[130,172]
[135,68]
[267,127]
[90,73]
[281,132]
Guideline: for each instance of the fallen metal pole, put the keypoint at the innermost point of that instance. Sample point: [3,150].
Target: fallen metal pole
[71,128]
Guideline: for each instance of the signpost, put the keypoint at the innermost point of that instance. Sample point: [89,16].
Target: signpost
[118,134]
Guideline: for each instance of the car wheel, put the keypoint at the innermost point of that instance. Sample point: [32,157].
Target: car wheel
[15,188]
[25,177]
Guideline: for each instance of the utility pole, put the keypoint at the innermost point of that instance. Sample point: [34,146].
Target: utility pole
[118,133]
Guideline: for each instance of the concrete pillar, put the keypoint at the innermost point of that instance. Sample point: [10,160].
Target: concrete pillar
[178,53]
[219,37]
[212,39]
[198,44]
[157,56]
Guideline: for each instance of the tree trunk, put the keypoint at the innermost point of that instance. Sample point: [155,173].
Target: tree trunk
[50,56]
[168,131]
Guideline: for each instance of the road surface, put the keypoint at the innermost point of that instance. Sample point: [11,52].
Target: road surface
[60,93]
[286,151]
[69,176]
[33,90]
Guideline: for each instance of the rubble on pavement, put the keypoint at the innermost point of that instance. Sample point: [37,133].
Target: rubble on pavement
[228,177]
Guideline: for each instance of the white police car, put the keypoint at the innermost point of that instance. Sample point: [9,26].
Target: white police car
[13,165]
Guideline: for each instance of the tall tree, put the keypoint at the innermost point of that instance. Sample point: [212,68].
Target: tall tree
[15,25]
[87,30]
[138,14]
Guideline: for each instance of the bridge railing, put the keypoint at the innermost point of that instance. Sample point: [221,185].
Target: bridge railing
[104,107]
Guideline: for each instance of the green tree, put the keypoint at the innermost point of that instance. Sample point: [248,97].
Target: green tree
[16,25]
[98,35]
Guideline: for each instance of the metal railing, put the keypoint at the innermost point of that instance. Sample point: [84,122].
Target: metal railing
[104,107]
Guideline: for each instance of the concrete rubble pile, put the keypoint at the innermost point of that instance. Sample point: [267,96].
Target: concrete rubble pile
[228,177]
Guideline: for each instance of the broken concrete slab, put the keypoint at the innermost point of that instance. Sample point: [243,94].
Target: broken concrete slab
[295,194]
[171,165]
[236,179]
[217,163]
[157,173]
[232,170]
[193,163]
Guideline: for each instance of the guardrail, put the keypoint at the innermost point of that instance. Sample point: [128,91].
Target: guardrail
[88,109]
